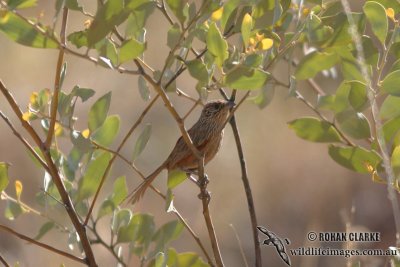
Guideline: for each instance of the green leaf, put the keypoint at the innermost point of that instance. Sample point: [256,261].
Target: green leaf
[106,208]
[143,88]
[16,4]
[390,4]
[376,15]
[314,130]
[108,51]
[187,259]
[83,93]
[262,8]
[253,60]
[217,45]
[198,70]
[23,32]
[354,124]
[317,32]
[391,83]
[174,34]
[109,15]
[390,107]
[141,142]
[355,158]
[138,17]
[4,178]
[395,161]
[245,78]
[265,96]
[79,38]
[130,50]
[73,5]
[247,25]
[98,112]
[341,36]
[315,62]
[165,234]
[106,134]
[391,128]
[395,66]
[13,210]
[358,95]
[230,9]
[93,174]
[44,230]
[120,218]
[177,7]
[120,190]
[175,178]
[140,229]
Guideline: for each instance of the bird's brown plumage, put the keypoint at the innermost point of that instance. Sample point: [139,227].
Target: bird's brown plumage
[206,135]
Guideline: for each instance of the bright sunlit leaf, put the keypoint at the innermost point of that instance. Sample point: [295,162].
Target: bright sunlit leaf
[18,189]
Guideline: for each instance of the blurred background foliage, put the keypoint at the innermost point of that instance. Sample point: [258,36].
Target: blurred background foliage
[297,186]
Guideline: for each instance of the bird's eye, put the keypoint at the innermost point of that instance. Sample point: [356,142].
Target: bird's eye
[217,106]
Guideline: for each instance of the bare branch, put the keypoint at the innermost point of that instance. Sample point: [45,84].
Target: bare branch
[245,180]
[2,260]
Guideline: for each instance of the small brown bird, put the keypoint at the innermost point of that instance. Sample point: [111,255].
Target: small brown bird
[206,135]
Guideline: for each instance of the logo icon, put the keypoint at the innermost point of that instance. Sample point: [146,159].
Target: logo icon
[276,241]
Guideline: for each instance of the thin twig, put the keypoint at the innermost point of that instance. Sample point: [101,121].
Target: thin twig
[2,260]
[40,244]
[247,187]
[57,80]
[110,248]
[28,208]
[240,246]
[24,141]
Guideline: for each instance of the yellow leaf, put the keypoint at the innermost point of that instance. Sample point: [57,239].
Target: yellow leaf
[369,167]
[58,129]
[18,188]
[86,133]
[266,43]
[252,41]
[26,116]
[306,11]
[217,14]
[390,13]
[33,98]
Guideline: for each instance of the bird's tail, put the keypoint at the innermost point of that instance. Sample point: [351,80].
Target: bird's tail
[138,193]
